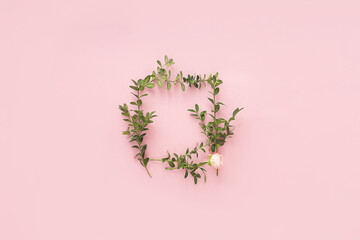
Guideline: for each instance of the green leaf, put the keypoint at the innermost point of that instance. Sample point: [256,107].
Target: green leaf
[236,111]
[186,174]
[213,148]
[151,85]
[166,59]
[146,160]
[144,148]
[195,180]
[196,107]
[171,164]
[147,78]
[216,91]
[159,63]
[159,83]
[183,87]
[202,115]
[211,100]
[135,83]
[168,85]
[217,107]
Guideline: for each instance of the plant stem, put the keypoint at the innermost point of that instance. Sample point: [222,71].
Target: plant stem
[140,131]
[215,122]
[215,125]
[148,172]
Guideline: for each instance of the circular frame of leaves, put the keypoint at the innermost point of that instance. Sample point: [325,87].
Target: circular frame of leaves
[217,130]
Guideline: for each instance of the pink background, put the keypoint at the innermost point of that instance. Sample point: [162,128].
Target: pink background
[290,172]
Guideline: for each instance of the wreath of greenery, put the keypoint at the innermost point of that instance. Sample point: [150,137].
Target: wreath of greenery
[217,130]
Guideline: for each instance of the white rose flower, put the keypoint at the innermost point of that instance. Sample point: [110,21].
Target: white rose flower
[216,160]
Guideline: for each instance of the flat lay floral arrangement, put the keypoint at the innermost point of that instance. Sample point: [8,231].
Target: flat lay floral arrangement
[217,130]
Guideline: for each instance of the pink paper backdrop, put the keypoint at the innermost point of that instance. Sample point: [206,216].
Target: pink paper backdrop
[291,171]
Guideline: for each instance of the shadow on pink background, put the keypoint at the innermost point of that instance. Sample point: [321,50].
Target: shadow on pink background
[290,172]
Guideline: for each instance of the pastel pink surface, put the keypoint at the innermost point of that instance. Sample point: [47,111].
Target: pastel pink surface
[290,172]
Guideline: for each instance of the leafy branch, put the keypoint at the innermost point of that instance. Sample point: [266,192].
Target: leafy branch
[217,130]
[184,161]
